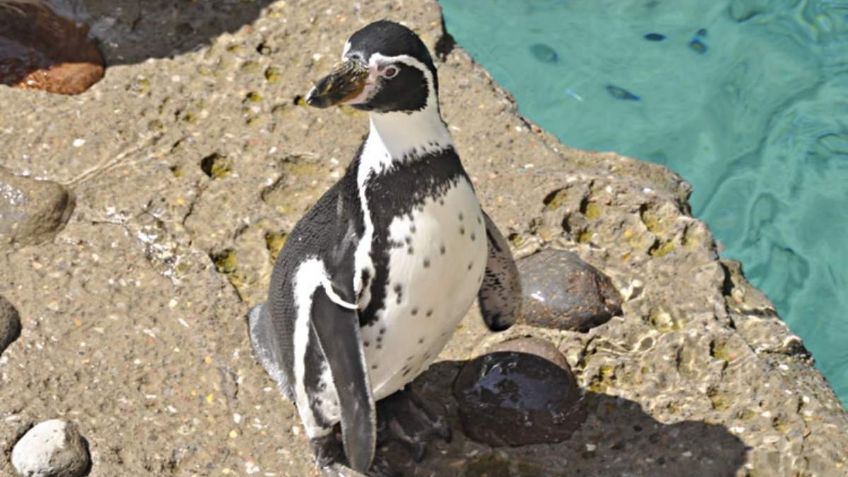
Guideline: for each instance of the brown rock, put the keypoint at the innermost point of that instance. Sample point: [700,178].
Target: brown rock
[31,211]
[562,291]
[10,324]
[42,50]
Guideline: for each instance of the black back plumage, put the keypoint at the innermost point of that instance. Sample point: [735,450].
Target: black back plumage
[330,230]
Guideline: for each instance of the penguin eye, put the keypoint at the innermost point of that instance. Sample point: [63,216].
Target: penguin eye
[390,72]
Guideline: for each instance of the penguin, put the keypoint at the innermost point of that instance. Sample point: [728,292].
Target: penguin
[375,277]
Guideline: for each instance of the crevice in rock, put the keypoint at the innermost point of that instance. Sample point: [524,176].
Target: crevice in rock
[274,242]
[216,166]
[226,264]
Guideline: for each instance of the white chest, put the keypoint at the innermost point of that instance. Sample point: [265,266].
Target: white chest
[436,265]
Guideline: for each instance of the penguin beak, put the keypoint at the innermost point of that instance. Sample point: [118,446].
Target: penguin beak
[346,84]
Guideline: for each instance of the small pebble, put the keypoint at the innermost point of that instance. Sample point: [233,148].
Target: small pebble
[654,37]
[10,324]
[31,211]
[52,448]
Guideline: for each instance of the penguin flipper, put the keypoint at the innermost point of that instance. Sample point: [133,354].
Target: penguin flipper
[337,329]
[266,347]
[500,293]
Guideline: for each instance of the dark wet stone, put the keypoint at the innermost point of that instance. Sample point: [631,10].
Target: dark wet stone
[510,398]
[31,211]
[562,291]
[698,46]
[654,36]
[532,345]
[42,50]
[621,93]
[544,53]
[10,324]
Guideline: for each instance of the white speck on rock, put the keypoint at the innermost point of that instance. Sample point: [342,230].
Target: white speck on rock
[51,449]
[78,142]
[250,467]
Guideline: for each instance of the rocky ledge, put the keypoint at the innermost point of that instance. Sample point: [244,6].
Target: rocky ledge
[190,161]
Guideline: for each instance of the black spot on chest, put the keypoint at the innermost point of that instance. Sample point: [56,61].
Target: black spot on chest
[396,193]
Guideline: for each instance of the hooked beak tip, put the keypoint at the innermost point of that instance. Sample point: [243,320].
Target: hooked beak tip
[316,100]
[342,85]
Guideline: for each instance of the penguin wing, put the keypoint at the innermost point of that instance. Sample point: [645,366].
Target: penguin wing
[500,293]
[265,341]
[337,329]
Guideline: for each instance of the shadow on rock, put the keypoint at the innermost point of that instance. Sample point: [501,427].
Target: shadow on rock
[45,44]
[617,438]
[130,31]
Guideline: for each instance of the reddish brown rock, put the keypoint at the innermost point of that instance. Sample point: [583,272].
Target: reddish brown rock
[42,50]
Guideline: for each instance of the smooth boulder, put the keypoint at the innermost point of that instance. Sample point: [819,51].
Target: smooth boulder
[563,292]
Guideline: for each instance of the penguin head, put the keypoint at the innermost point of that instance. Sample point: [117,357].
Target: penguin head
[385,68]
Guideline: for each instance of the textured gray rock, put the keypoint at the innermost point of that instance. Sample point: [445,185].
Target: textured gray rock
[10,324]
[31,211]
[131,323]
[563,292]
[52,448]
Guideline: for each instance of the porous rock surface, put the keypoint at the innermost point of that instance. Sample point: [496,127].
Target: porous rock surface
[188,171]
[52,448]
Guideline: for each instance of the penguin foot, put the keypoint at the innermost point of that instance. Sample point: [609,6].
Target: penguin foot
[405,418]
[330,458]
[328,451]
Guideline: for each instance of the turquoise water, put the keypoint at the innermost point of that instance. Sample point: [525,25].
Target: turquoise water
[748,100]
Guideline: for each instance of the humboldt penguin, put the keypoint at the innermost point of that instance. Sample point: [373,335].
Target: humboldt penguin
[375,277]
